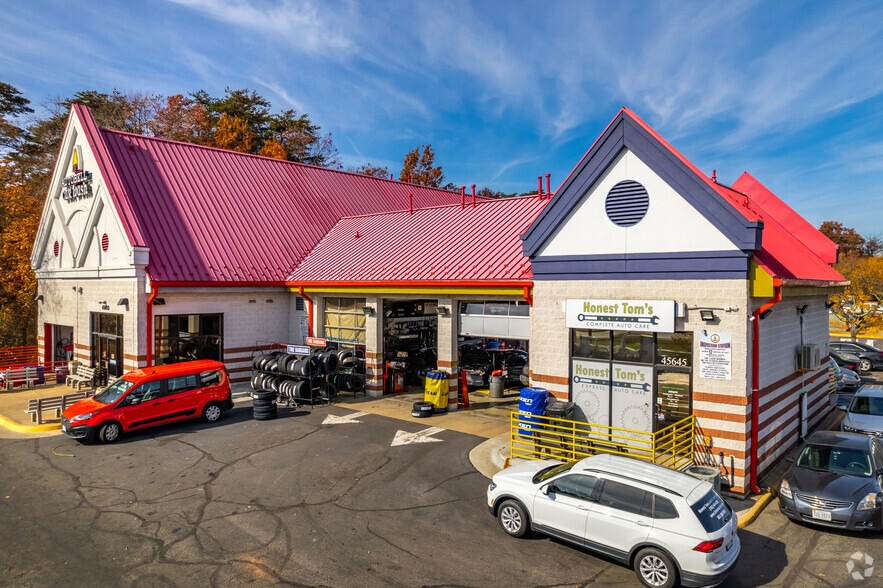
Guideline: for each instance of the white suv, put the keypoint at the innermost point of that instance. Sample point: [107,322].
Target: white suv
[668,526]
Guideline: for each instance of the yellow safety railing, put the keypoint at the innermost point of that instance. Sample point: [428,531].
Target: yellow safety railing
[542,437]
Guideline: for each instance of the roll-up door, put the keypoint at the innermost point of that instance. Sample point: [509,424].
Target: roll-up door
[502,320]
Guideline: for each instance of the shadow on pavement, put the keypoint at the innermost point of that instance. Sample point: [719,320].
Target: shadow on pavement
[761,561]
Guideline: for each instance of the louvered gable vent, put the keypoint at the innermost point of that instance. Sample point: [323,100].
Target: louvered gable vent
[627,203]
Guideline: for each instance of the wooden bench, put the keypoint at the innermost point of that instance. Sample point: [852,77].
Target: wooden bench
[24,376]
[84,375]
[36,406]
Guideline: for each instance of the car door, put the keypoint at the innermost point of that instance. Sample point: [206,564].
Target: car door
[619,519]
[562,506]
[142,406]
[183,397]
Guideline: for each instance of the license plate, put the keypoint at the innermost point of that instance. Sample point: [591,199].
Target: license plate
[822,515]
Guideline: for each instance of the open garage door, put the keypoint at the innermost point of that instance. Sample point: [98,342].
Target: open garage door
[494,337]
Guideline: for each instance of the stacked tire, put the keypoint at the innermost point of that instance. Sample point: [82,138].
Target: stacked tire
[264,404]
[309,378]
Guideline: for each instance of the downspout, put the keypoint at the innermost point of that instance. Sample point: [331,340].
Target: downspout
[153,294]
[527,296]
[755,382]
[309,300]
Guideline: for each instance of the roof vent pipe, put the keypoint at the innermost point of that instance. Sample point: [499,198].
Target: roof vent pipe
[714,175]
[473,195]
[549,185]
[390,176]
[462,197]
[410,204]
[540,187]
[409,179]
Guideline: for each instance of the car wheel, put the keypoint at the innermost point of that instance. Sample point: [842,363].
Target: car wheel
[865,365]
[655,568]
[109,432]
[212,412]
[513,519]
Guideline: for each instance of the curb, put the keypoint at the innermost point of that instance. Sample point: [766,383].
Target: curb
[13,426]
[755,510]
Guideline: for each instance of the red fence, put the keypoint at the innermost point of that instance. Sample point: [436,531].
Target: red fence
[14,356]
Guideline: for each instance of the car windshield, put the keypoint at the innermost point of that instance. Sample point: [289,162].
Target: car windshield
[835,460]
[868,405]
[552,471]
[113,392]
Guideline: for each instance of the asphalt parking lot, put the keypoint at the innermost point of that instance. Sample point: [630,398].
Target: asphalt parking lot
[295,501]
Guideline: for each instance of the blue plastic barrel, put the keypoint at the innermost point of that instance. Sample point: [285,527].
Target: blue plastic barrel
[531,404]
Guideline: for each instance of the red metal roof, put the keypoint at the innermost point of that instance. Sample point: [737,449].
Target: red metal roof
[792,248]
[439,245]
[210,215]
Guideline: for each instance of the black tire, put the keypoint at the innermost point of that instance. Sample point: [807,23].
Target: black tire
[331,390]
[264,394]
[329,362]
[356,383]
[212,412]
[264,410]
[513,518]
[421,409]
[263,403]
[267,417]
[349,361]
[655,568]
[109,432]
[343,354]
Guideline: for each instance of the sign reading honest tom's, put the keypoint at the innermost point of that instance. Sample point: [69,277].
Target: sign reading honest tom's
[623,315]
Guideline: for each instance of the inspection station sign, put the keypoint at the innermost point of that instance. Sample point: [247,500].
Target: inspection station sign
[715,355]
[624,315]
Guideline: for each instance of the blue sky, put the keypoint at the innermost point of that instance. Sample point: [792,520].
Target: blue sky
[505,91]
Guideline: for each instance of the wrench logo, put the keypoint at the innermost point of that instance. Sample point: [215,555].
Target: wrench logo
[583,380]
[645,387]
[652,320]
[579,379]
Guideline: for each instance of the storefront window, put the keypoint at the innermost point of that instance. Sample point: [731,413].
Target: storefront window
[631,380]
[188,337]
[591,344]
[633,347]
[107,344]
[345,320]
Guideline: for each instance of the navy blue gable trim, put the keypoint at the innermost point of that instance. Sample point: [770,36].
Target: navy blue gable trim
[623,132]
[686,265]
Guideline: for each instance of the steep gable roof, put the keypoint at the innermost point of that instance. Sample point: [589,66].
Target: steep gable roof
[215,216]
[446,244]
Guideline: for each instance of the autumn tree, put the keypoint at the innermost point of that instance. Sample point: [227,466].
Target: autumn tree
[233,133]
[858,305]
[181,119]
[12,105]
[486,192]
[367,169]
[274,149]
[848,239]
[420,168]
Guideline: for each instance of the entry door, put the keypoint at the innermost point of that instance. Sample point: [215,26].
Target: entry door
[110,354]
[672,397]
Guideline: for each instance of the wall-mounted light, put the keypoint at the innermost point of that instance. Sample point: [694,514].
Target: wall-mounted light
[443,311]
[38,298]
[802,309]
[159,301]
[123,302]
[707,315]
[830,303]
[78,290]
[367,311]
[252,301]
[766,313]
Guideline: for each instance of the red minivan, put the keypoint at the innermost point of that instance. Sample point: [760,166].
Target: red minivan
[151,396]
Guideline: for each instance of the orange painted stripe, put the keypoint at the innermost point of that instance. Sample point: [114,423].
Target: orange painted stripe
[721,398]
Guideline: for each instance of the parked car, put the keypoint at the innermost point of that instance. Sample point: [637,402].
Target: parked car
[478,364]
[851,380]
[836,383]
[668,526]
[847,360]
[865,412]
[151,396]
[870,358]
[836,482]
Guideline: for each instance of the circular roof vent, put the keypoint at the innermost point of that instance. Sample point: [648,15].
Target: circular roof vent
[105,242]
[55,249]
[627,203]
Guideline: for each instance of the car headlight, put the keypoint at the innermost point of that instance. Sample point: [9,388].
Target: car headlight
[491,487]
[785,489]
[869,502]
[82,417]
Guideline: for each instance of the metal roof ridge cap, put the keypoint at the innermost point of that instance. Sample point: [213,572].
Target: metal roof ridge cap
[298,163]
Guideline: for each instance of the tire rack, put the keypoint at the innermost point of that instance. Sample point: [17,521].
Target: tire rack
[315,383]
[318,382]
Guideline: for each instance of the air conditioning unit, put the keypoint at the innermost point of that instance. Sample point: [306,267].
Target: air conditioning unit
[809,358]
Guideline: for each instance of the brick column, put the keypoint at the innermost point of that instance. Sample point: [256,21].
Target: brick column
[374,347]
[447,347]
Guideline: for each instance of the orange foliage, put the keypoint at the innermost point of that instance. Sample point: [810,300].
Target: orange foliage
[273,148]
[233,133]
[22,217]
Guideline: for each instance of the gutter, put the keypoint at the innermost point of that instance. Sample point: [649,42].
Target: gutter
[527,296]
[309,300]
[149,312]
[755,381]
